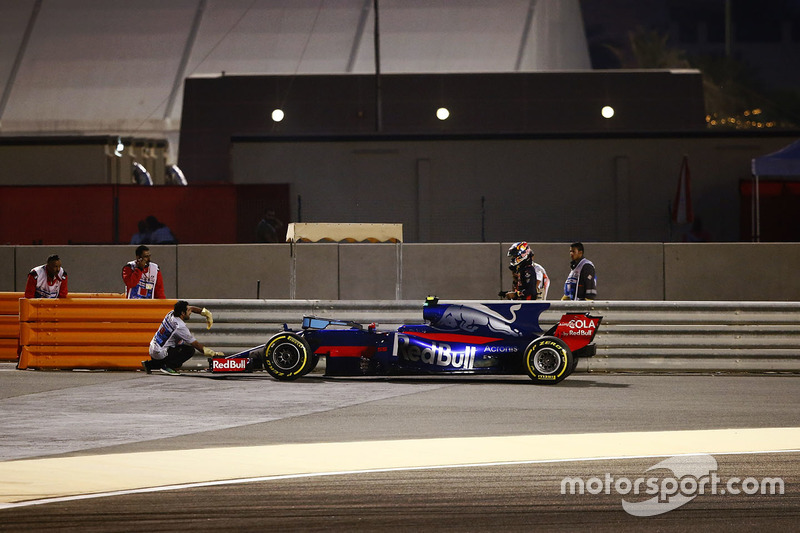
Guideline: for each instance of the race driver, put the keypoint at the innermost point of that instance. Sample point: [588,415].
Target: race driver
[530,281]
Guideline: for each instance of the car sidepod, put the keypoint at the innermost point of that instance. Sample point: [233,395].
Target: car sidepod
[351,352]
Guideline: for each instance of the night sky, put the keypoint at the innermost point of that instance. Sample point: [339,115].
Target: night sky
[766,34]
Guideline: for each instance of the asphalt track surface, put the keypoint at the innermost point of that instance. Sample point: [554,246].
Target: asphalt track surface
[115,451]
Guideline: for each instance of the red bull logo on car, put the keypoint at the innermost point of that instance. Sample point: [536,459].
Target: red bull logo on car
[436,353]
[238,364]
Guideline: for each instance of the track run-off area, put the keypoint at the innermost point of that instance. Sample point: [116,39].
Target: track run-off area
[75,437]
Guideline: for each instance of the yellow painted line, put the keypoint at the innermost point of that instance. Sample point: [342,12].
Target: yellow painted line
[38,479]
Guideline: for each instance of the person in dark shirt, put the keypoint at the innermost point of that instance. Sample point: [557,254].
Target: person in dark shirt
[581,283]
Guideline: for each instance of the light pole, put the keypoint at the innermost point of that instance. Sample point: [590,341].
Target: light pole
[377,39]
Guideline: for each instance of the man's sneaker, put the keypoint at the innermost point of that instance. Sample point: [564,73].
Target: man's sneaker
[170,371]
[146,367]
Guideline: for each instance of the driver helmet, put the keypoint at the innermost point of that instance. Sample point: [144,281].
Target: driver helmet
[518,253]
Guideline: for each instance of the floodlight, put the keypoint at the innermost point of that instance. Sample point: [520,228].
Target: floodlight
[120,147]
[175,176]
[140,175]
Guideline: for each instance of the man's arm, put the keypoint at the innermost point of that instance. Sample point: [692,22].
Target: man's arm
[587,285]
[527,285]
[159,289]
[30,286]
[131,276]
[62,290]
[202,311]
[205,350]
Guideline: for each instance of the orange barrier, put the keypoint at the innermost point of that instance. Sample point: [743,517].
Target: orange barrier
[9,303]
[9,319]
[83,334]
[9,332]
[108,333]
[69,357]
[9,324]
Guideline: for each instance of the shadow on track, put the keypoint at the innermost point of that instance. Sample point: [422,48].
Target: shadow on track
[417,379]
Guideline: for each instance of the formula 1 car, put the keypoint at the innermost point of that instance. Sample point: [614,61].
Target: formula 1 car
[455,338]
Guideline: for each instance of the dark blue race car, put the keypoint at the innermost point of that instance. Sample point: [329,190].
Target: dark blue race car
[454,338]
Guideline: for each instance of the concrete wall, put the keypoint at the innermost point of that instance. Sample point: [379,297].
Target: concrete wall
[458,269]
[233,270]
[370,271]
[733,271]
[601,189]
[625,271]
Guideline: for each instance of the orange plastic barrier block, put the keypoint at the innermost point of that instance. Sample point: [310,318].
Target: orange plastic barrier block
[8,349]
[68,357]
[94,310]
[110,333]
[9,303]
[9,327]
[9,333]
[87,334]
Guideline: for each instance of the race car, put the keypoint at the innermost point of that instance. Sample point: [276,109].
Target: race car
[454,338]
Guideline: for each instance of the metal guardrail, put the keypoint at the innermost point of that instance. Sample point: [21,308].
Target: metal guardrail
[634,336]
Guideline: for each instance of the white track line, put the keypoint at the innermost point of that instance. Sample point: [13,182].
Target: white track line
[34,481]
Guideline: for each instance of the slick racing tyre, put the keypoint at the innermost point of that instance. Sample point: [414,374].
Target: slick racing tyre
[287,356]
[312,364]
[548,360]
[573,367]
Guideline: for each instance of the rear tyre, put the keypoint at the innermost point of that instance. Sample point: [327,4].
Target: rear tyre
[287,356]
[548,360]
[574,365]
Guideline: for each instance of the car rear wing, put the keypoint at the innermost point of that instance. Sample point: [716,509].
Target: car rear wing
[576,329]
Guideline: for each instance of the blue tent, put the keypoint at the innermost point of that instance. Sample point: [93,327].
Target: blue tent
[784,162]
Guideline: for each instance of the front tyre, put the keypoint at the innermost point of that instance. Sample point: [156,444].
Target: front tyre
[548,360]
[287,356]
[314,360]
